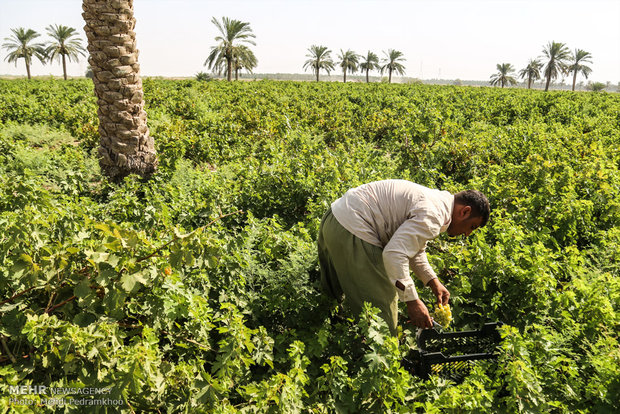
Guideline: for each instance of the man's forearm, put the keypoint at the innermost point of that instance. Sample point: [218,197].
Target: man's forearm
[421,268]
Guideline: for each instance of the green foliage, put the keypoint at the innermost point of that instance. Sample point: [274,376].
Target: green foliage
[203,76]
[197,291]
[596,86]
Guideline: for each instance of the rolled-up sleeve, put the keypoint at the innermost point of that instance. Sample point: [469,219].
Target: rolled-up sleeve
[407,245]
[420,266]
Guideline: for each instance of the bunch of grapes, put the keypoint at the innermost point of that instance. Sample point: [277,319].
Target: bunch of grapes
[443,315]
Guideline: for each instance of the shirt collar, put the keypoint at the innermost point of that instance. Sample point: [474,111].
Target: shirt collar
[448,202]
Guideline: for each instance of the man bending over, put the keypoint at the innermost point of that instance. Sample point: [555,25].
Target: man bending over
[375,233]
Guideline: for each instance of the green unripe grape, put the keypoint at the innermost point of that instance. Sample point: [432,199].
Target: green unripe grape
[443,315]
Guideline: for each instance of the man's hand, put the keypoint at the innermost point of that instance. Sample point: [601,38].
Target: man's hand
[418,314]
[440,291]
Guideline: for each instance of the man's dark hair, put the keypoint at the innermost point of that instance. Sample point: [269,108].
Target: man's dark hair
[477,201]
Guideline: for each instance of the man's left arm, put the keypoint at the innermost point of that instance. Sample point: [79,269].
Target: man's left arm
[423,270]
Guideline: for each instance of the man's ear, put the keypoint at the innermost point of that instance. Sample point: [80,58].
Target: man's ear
[466,212]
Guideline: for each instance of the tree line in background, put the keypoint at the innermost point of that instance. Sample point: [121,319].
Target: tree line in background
[560,61]
[65,45]
[349,61]
[232,54]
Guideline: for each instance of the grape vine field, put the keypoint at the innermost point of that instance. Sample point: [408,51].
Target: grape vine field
[197,291]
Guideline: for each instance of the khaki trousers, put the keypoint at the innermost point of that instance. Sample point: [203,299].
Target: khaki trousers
[352,269]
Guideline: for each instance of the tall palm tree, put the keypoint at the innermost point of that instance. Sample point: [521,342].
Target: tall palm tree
[557,55]
[232,32]
[579,58]
[65,45]
[371,62]
[244,58]
[392,63]
[217,60]
[531,72]
[320,58]
[503,75]
[125,146]
[19,47]
[348,62]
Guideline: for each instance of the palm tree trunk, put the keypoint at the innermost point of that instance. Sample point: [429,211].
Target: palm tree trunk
[548,82]
[236,74]
[367,75]
[27,68]
[529,82]
[345,76]
[390,76]
[574,79]
[125,146]
[64,66]
[317,74]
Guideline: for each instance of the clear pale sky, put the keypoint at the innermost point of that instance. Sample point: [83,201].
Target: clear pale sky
[445,39]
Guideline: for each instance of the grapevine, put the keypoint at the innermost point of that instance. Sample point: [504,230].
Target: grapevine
[161,291]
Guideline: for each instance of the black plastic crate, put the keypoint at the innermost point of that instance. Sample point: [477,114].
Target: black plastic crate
[451,355]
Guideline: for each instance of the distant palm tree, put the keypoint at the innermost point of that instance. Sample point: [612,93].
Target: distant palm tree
[392,63]
[531,72]
[348,62]
[231,31]
[596,86]
[558,56]
[371,62]
[320,58]
[19,47]
[244,58]
[503,75]
[65,45]
[579,58]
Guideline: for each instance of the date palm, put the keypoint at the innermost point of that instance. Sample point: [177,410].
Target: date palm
[531,72]
[66,45]
[218,64]
[19,46]
[232,32]
[125,145]
[503,75]
[557,55]
[371,62]
[577,66]
[244,58]
[348,62]
[320,58]
[392,63]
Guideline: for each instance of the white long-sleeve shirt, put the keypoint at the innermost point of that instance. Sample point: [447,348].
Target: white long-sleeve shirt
[400,217]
